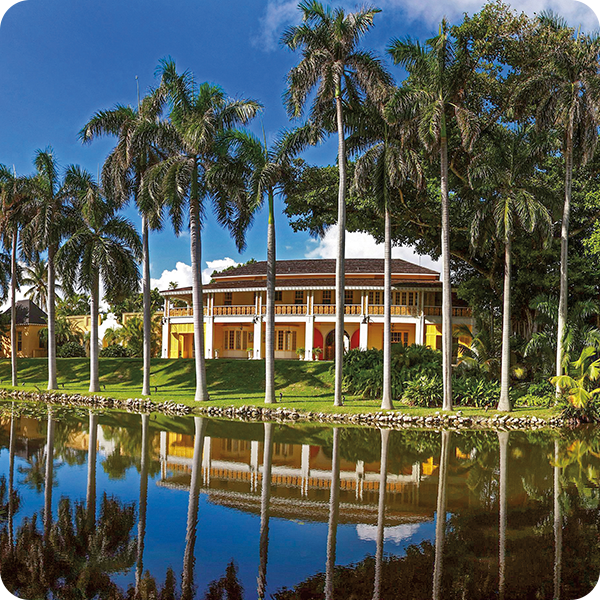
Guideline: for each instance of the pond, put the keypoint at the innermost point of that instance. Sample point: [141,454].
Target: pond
[119,505]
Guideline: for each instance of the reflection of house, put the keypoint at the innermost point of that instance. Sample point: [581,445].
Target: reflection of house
[300,480]
[234,309]
[31,319]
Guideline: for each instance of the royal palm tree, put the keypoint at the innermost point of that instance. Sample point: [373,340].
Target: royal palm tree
[14,202]
[200,115]
[564,85]
[389,164]
[432,96]
[506,174]
[343,75]
[52,218]
[123,174]
[35,276]
[103,247]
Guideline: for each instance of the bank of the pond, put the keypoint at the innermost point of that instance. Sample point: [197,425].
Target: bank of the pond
[237,391]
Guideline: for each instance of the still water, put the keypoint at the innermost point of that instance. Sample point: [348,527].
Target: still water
[116,505]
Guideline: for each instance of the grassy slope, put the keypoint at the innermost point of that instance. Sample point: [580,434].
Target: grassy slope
[304,385]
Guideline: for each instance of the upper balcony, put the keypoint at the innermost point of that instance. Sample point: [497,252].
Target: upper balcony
[249,310]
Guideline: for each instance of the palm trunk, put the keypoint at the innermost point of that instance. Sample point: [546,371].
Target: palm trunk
[187,592]
[340,267]
[91,480]
[503,444]
[51,310]
[564,257]
[558,524]
[147,315]
[143,503]
[48,478]
[504,403]
[264,510]
[198,308]
[334,507]
[440,516]
[386,400]
[270,324]
[13,308]
[385,437]
[94,301]
[446,284]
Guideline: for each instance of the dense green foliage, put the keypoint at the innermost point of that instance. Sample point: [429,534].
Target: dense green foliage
[114,351]
[70,350]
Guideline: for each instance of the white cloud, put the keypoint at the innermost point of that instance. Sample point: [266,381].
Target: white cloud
[278,15]
[395,534]
[182,273]
[363,245]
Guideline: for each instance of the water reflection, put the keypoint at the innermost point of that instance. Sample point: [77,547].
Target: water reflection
[334,512]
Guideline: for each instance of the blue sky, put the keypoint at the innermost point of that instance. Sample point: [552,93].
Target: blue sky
[62,60]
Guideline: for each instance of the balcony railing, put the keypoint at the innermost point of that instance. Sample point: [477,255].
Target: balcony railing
[329,309]
[246,309]
[396,310]
[287,309]
[457,311]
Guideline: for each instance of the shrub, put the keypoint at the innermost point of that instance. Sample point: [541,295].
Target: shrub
[70,350]
[475,391]
[115,351]
[424,391]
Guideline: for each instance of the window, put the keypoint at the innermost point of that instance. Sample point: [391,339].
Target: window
[397,298]
[286,340]
[374,297]
[19,341]
[280,339]
[228,298]
[279,296]
[348,297]
[400,337]
[299,297]
[327,297]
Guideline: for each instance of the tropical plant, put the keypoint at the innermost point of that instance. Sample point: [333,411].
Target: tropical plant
[35,275]
[114,351]
[123,174]
[424,391]
[199,117]
[70,350]
[131,336]
[560,82]
[505,178]
[342,74]
[104,246]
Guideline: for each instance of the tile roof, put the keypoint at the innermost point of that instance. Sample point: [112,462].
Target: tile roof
[29,313]
[325,266]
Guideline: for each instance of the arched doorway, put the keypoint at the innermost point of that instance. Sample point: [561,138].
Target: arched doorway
[329,350]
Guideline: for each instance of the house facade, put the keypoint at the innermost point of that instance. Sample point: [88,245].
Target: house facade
[234,305]
[31,319]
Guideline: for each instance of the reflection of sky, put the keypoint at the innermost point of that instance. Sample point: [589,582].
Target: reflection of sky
[297,549]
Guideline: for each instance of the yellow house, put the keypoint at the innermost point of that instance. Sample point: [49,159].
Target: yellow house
[31,319]
[234,305]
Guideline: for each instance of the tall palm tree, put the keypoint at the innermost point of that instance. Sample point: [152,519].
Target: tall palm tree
[334,510]
[433,95]
[343,75]
[51,221]
[123,174]
[90,502]
[104,246]
[143,502]
[564,84]
[507,178]
[389,163]
[14,202]
[200,115]
[265,498]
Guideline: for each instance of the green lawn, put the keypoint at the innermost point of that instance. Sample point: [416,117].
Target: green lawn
[306,386]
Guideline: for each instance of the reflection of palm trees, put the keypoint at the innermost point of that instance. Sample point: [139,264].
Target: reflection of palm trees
[440,517]
[385,436]
[142,503]
[90,502]
[334,504]
[48,481]
[264,509]
[503,443]
[192,516]
[558,523]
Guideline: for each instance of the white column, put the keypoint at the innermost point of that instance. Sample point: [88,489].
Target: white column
[165,338]
[208,336]
[309,337]
[257,344]
[363,336]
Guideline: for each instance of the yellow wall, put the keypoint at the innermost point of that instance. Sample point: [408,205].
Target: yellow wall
[433,336]
[29,338]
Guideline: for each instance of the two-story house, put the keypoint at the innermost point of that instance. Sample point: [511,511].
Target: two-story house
[234,306]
